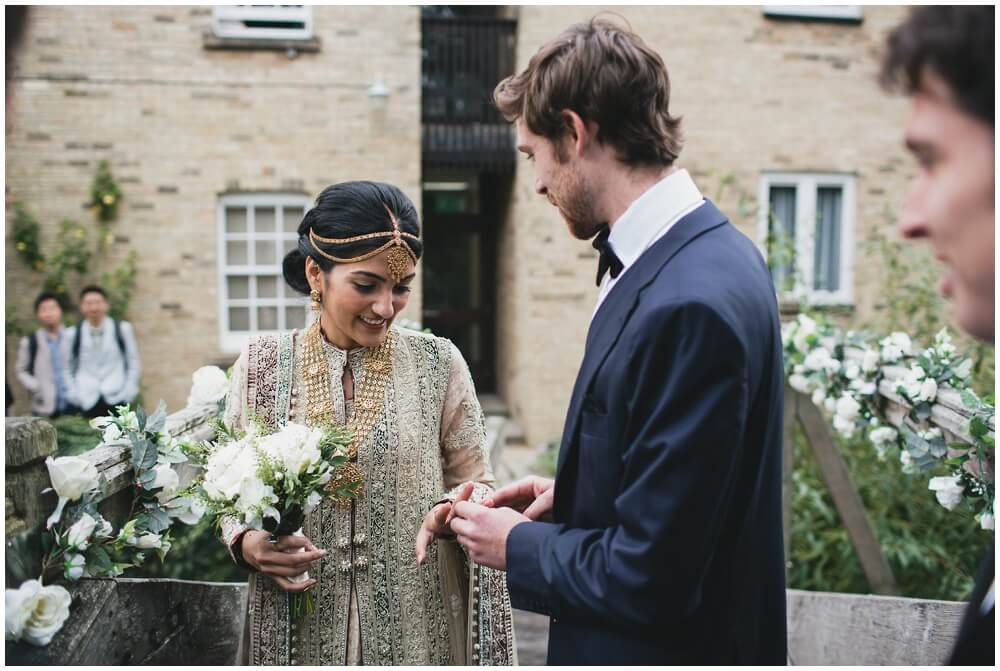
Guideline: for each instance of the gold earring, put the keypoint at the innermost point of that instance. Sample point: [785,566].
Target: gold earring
[317,300]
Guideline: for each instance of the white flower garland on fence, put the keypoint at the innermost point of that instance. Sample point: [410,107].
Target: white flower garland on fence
[79,541]
[848,390]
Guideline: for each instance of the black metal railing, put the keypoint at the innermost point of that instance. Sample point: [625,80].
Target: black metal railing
[463,59]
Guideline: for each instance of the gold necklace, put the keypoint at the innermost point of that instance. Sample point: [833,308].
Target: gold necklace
[368,399]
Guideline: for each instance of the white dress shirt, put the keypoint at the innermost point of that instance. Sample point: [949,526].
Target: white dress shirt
[648,219]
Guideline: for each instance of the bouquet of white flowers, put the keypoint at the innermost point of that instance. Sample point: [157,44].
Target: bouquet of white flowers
[271,480]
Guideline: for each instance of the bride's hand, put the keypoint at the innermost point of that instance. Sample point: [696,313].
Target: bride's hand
[437,521]
[282,560]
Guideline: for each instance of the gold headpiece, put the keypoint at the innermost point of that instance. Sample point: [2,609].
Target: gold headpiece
[396,261]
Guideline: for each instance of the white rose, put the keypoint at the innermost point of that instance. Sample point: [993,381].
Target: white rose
[312,501]
[166,481]
[830,404]
[895,346]
[73,566]
[99,423]
[848,408]
[149,541]
[948,490]
[194,512]
[906,459]
[112,434]
[817,359]
[869,361]
[804,328]
[883,435]
[928,390]
[799,383]
[209,385]
[79,534]
[852,371]
[912,381]
[862,387]
[131,421]
[253,496]
[227,467]
[799,369]
[843,426]
[986,521]
[71,477]
[818,395]
[964,369]
[34,613]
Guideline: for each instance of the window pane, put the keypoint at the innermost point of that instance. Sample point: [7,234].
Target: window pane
[264,221]
[236,220]
[267,253]
[288,245]
[267,319]
[236,253]
[239,286]
[826,275]
[239,319]
[293,217]
[267,286]
[295,317]
[781,236]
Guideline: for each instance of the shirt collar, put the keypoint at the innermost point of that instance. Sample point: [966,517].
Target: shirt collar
[658,206]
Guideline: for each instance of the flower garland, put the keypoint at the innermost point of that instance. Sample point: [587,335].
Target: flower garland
[78,542]
[816,365]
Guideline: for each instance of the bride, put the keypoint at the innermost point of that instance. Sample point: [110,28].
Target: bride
[419,445]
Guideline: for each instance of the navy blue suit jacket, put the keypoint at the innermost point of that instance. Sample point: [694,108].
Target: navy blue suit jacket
[666,545]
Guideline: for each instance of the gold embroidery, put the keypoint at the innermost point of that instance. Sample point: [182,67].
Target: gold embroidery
[368,406]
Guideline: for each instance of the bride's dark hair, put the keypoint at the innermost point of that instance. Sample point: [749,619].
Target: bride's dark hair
[347,210]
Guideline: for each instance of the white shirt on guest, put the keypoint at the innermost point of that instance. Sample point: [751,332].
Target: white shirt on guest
[648,219]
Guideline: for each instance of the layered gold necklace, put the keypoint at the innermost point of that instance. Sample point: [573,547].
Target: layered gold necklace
[368,400]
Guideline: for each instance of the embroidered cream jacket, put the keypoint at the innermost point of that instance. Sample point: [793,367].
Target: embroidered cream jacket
[374,605]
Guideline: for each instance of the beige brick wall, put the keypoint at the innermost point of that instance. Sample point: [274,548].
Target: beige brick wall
[181,124]
[755,95]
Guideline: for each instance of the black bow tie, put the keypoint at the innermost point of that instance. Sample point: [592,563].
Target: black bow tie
[609,260]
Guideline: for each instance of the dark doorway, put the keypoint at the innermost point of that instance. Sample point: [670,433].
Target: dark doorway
[459,269]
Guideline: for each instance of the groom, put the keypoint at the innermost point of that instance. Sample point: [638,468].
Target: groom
[660,540]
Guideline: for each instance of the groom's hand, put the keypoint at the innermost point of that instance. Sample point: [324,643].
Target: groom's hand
[531,496]
[483,532]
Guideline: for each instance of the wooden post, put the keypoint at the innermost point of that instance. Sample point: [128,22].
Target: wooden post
[846,499]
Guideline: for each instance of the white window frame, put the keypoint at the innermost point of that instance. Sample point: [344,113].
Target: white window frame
[806,186]
[233,341]
[821,12]
[227,21]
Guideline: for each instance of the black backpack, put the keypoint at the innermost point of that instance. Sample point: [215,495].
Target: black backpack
[75,357]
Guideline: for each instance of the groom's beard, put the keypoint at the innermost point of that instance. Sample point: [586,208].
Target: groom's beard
[576,202]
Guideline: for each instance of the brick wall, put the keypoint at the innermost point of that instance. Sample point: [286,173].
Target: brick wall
[179,125]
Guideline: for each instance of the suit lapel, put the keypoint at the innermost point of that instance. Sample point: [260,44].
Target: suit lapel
[620,303]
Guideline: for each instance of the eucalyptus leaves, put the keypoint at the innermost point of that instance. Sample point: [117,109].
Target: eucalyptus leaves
[847,387]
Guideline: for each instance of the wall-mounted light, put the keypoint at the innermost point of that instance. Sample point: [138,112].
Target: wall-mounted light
[378,94]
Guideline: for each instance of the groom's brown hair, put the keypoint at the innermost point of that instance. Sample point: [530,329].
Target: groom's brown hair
[606,74]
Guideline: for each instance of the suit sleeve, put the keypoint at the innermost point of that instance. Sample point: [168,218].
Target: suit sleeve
[687,413]
[27,380]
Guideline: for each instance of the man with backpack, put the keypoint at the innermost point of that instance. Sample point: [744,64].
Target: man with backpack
[40,365]
[102,357]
